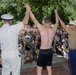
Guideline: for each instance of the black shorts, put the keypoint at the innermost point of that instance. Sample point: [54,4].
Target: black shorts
[45,57]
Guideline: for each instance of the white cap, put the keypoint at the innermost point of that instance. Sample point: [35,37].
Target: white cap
[7,16]
[72,22]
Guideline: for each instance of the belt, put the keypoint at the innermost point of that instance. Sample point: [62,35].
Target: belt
[72,49]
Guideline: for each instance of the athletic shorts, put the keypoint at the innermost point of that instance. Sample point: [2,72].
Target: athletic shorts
[45,57]
[72,61]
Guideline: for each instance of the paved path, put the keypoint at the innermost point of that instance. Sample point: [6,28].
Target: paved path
[59,67]
[57,70]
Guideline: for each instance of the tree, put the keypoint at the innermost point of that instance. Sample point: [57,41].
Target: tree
[41,9]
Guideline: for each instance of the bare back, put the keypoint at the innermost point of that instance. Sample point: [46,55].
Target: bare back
[47,35]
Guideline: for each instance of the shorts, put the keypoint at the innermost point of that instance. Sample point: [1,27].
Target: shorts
[45,57]
[72,61]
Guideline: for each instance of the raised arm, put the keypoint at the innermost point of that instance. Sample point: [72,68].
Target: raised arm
[35,21]
[62,23]
[26,18]
[57,21]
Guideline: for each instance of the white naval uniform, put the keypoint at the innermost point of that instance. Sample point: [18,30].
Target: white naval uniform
[11,59]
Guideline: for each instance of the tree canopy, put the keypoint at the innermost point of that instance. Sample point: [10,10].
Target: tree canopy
[40,8]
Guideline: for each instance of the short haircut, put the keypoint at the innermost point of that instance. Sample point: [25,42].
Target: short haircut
[7,20]
[47,20]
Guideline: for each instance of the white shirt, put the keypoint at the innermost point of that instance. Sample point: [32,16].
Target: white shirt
[9,36]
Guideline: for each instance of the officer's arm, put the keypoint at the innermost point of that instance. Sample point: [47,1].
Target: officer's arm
[26,18]
[62,23]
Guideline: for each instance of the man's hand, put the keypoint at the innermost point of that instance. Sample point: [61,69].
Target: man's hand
[27,7]
[56,11]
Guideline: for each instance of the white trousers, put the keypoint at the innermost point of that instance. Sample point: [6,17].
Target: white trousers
[11,62]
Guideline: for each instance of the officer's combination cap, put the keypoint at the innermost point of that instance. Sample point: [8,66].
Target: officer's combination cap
[7,16]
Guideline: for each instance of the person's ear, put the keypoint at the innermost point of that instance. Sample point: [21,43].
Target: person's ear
[2,21]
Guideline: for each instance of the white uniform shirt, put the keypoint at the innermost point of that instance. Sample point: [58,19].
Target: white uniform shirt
[9,36]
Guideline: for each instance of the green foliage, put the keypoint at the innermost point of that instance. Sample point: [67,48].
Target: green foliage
[0,24]
[40,8]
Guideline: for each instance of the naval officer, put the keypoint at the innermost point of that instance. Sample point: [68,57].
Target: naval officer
[11,58]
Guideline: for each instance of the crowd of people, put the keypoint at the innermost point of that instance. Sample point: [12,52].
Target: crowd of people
[30,41]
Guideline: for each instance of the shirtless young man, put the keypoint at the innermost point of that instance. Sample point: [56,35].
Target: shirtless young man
[47,34]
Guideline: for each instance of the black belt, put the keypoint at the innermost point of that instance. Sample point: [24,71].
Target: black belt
[72,49]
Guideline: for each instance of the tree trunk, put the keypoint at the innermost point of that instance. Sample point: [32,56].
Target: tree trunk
[40,11]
